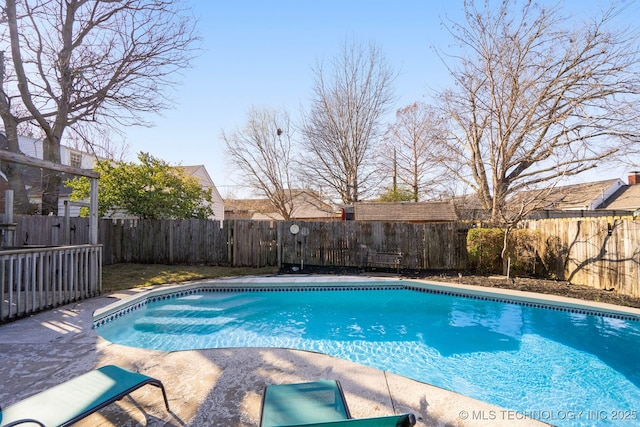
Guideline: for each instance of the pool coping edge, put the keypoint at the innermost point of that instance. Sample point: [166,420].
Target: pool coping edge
[307,282]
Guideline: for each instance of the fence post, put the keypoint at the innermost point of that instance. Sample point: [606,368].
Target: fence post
[230,259]
[170,223]
[93,212]
[67,224]
[279,244]
[8,231]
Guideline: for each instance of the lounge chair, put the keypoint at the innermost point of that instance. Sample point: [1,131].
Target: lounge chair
[317,404]
[71,401]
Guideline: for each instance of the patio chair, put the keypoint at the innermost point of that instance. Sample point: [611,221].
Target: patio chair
[317,404]
[73,400]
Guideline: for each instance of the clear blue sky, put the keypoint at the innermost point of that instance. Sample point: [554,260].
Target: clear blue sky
[261,53]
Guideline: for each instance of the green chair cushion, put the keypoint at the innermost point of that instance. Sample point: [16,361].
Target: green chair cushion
[317,404]
[290,404]
[75,399]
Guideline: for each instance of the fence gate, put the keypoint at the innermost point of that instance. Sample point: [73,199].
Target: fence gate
[252,243]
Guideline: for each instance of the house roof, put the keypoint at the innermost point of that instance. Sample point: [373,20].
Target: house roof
[405,211]
[467,206]
[200,173]
[248,205]
[627,198]
[307,205]
[189,170]
[584,196]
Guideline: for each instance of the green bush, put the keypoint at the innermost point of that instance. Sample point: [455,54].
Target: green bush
[522,249]
[484,246]
[553,257]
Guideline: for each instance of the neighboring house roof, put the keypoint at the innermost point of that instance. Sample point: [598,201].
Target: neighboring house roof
[307,205]
[627,198]
[607,197]
[248,209]
[189,170]
[468,207]
[585,196]
[405,211]
[249,205]
[200,173]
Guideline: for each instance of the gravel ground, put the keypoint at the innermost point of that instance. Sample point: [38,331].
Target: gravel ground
[542,286]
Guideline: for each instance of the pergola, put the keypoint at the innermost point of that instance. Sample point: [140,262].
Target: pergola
[38,278]
[92,175]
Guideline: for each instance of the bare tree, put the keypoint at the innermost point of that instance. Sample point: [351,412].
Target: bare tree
[262,152]
[343,125]
[79,62]
[410,149]
[533,101]
[98,141]
[9,141]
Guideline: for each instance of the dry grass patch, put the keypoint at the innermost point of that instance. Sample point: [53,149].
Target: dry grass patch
[126,276]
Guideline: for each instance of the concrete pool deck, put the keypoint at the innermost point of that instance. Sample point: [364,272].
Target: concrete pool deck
[212,387]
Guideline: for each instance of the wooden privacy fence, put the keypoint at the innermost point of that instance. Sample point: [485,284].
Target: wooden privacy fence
[163,241]
[603,253]
[245,243]
[50,231]
[374,244]
[599,252]
[34,279]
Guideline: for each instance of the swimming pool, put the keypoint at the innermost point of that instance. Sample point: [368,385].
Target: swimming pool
[563,366]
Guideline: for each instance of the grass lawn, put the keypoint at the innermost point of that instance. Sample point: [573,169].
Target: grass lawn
[126,276]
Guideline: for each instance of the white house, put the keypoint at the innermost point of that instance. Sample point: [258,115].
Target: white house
[199,172]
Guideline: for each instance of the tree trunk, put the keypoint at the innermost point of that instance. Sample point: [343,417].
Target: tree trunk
[51,180]
[13,172]
[50,192]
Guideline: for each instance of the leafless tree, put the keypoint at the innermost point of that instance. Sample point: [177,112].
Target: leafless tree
[533,101]
[409,152]
[9,142]
[99,142]
[262,152]
[79,62]
[343,125]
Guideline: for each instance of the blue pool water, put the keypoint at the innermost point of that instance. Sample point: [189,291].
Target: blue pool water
[560,367]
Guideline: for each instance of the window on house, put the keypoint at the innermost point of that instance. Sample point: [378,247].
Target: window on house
[76,160]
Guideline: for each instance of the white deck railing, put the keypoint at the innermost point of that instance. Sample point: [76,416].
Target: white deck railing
[36,279]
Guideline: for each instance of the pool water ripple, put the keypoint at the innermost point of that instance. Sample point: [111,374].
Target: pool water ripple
[519,357]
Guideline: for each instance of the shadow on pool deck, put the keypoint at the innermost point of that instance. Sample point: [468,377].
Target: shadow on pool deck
[210,387]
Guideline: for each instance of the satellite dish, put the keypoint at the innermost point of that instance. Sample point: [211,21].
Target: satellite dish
[294,229]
